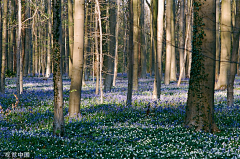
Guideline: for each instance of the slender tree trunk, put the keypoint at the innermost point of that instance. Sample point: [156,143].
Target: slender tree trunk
[200,102]
[71,39]
[225,44]
[234,58]
[189,36]
[48,70]
[14,38]
[218,44]
[186,43]
[154,23]
[11,45]
[168,42]
[143,45]
[27,42]
[135,41]
[173,54]
[96,52]
[58,122]
[19,55]
[116,49]
[110,60]
[182,37]
[101,50]
[4,47]
[77,69]
[130,54]
[151,70]
[0,45]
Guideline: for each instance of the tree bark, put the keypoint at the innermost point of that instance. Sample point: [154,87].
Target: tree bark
[225,44]
[110,59]
[49,46]
[234,58]
[116,49]
[181,41]
[71,32]
[200,102]
[4,47]
[218,44]
[160,24]
[96,52]
[135,41]
[77,69]
[101,50]
[130,54]
[173,52]
[168,42]
[143,43]
[58,122]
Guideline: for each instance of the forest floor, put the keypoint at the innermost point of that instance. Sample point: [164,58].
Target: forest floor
[111,129]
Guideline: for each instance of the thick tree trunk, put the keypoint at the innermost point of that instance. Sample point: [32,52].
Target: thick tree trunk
[58,122]
[77,69]
[234,58]
[225,44]
[200,102]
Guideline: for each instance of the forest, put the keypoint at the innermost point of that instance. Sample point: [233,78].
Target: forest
[119,79]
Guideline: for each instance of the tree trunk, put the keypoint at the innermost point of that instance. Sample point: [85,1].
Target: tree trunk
[130,54]
[181,40]
[234,58]
[135,46]
[218,44]
[200,102]
[116,49]
[4,47]
[77,69]
[173,52]
[96,52]
[101,54]
[1,42]
[189,41]
[159,49]
[27,43]
[169,6]
[58,122]
[71,31]
[143,45]
[110,64]
[225,44]
[48,70]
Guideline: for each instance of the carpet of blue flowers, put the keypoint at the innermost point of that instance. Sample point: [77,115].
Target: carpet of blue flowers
[111,129]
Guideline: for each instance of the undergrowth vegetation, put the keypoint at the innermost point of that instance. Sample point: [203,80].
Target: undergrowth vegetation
[111,129]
